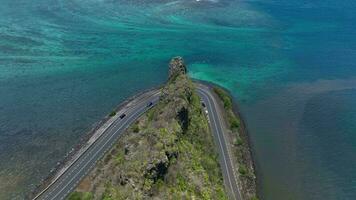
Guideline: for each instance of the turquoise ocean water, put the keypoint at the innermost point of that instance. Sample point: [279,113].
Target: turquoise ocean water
[291,65]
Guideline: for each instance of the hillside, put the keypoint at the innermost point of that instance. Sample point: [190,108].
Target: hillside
[167,154]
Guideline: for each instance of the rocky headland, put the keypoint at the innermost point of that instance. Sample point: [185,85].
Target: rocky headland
[169,152]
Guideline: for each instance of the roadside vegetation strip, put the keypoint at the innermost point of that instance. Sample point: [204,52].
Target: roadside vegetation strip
[113,113]
[234,122]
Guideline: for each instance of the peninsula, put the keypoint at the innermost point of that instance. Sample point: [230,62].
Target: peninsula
[182,141]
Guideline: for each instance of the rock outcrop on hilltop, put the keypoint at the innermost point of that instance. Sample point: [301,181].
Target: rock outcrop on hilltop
[176,67]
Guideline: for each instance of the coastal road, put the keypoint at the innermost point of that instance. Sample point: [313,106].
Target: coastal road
[217,127]
[66,182]
[69,179]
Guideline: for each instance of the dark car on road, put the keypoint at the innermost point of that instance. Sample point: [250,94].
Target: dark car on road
[122,116]
[203,104]
[149,104]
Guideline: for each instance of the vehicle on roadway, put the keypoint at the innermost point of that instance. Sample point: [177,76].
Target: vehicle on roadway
[149,104]
[122,116]
[203,104]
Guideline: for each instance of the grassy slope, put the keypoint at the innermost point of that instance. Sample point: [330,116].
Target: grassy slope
[167,154]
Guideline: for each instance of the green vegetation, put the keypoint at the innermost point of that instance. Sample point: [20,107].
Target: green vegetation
[254,198]
[80,196]
[119,157]
[242,169]
[168,154]
[224,97]
[113,113]
[150,115]
[227,101]
[234,122]
[135,128]
[239,141]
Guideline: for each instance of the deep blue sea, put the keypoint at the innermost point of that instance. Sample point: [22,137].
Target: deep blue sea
[291,66]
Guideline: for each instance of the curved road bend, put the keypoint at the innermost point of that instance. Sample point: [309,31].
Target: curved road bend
[67,182]
[218,133]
